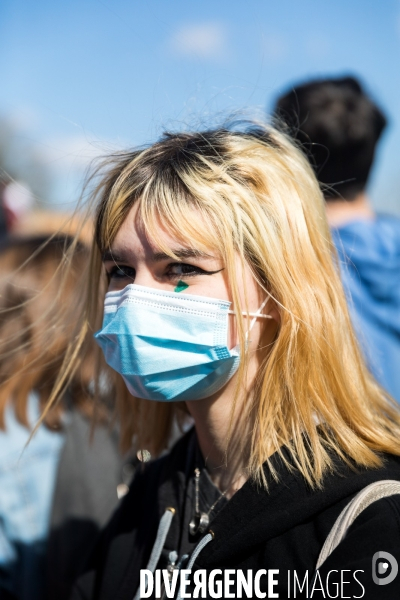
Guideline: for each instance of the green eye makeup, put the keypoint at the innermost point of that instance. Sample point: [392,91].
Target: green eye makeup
[181,286]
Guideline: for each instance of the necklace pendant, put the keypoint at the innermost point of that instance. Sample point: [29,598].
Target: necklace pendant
[204,522]
[199,523]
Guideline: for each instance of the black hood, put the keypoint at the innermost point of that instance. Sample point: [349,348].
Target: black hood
[255,514]
[281,528]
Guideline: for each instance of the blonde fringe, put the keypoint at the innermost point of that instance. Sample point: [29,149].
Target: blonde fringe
[252,195]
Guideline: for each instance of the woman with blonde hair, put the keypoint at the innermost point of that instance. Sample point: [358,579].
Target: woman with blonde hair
[224,306]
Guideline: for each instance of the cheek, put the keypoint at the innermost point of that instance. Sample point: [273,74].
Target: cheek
[116,285]
[233,338]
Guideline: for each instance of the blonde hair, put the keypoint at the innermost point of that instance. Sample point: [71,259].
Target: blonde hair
[258,199]
[38,306]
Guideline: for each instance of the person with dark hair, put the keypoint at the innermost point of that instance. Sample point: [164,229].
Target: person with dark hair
[338,126]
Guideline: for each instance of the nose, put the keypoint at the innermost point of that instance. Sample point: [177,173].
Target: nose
[149,282]
[146,278]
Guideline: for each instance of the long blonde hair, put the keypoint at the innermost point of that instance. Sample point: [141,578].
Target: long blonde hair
[38,307]
[258,199]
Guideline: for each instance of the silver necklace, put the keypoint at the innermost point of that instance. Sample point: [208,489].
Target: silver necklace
[201,520]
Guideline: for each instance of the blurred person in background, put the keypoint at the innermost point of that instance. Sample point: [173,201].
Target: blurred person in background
[339,126]
[3,213]
[59,490]
[17,202]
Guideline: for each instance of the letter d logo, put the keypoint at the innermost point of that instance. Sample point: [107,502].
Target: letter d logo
[381,574]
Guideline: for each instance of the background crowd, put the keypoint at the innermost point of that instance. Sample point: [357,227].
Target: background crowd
[58,491]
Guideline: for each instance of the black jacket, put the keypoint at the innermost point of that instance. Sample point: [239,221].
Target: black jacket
[283,528]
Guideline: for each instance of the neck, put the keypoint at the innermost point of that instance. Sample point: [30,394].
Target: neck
[224,434]
[341,212]
[213,428]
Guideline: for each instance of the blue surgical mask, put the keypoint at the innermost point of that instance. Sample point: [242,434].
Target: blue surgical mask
[168,346]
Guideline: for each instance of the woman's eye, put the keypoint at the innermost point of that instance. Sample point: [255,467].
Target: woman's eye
[119,272]
[182,269]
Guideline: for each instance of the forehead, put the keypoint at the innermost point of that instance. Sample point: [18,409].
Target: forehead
[155,236]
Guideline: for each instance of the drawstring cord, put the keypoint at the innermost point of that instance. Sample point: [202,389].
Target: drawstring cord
[162,532]
[206,539]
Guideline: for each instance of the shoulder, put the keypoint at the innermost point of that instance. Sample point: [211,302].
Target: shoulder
[166,466]
[368,554]
[133,526]
[381,234]
[383,512]
[144,490]
[372,538]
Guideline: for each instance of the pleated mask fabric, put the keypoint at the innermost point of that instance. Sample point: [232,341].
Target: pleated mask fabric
[167,346]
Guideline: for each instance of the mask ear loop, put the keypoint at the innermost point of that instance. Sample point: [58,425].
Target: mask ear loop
[256,315]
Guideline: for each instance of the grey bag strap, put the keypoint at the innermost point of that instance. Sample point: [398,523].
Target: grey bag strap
[370,494]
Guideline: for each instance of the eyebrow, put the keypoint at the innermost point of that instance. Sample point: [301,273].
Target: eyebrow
[181,253]
[110,256]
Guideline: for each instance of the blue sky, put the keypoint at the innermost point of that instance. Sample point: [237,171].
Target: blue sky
[81,77]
